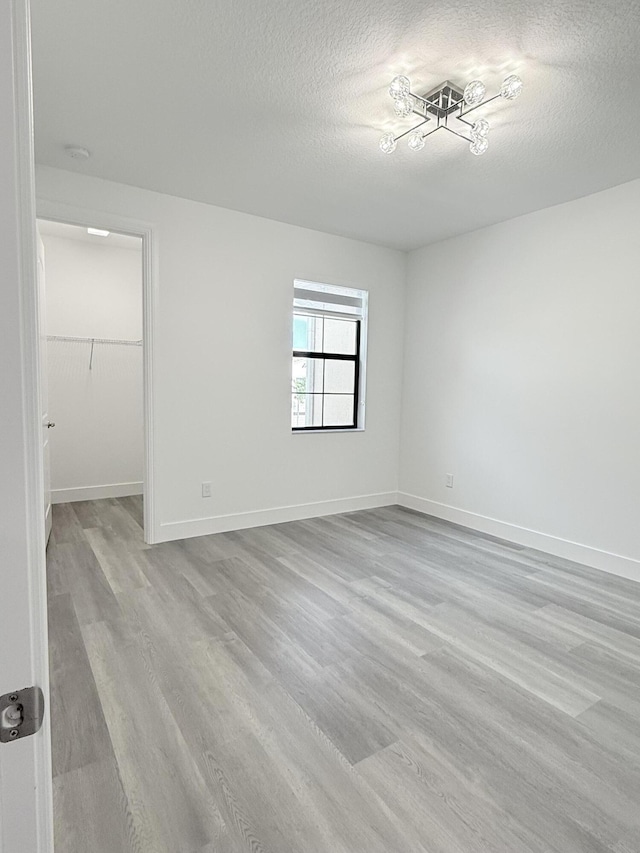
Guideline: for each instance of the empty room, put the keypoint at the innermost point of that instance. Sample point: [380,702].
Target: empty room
[320,459]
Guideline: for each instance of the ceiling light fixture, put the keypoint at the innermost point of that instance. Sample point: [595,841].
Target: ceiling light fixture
[444,105]
[98,232]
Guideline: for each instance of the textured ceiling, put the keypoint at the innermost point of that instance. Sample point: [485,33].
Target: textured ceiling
[276,108]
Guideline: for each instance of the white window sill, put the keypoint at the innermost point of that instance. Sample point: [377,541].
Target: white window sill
[325,431]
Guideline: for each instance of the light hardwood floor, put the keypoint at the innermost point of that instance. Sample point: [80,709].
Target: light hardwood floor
[377,682]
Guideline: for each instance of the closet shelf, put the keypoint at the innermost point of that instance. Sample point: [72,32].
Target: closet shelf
[93,340]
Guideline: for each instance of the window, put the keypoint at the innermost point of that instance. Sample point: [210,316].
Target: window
[329,340]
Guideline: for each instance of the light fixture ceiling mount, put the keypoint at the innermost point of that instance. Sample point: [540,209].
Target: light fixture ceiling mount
[77,152]
[446,105]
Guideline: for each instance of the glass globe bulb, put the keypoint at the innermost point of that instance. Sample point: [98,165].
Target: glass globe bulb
[403,106]
[511,87]
[387,143]
[416,140]
[474,92]
[399,87]
[479,145]
[480,128]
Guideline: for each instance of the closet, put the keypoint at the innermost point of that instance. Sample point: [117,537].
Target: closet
[93,321]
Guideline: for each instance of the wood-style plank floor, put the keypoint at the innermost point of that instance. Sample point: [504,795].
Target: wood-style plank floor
[376,682]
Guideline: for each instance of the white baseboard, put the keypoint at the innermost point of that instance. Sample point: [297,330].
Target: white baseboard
[615,564]
[93,493]
[258,518]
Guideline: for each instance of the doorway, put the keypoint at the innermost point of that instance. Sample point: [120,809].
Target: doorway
[110,364]
[92,348]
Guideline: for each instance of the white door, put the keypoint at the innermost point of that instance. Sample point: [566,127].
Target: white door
[25,769]
[44,390]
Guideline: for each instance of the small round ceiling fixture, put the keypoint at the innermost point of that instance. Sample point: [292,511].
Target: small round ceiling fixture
[77,152]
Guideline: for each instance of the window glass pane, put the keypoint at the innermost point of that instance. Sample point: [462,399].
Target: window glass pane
[299,332]
[306,410]
[339,376]
[307,333]
[340,336]
[338,410]
[307,375]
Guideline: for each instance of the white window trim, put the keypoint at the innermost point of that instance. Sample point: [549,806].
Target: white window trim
[363,315]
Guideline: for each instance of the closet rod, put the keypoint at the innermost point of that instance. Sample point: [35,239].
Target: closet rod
[93,340]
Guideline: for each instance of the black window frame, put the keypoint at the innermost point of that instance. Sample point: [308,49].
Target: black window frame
[332,356]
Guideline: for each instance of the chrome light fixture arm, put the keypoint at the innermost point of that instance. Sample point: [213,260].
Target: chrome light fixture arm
[481,104]
[455,133]
[411,129]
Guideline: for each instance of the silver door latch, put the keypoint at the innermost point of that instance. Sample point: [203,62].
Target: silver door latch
[21,713]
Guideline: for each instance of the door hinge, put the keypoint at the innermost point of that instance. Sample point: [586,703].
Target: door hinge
[21,713]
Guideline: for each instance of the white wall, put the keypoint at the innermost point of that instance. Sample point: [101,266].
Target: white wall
[94,290]
[522,379]
[222,362]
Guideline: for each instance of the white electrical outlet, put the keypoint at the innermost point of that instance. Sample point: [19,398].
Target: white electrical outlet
[206,490]
[448,480]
